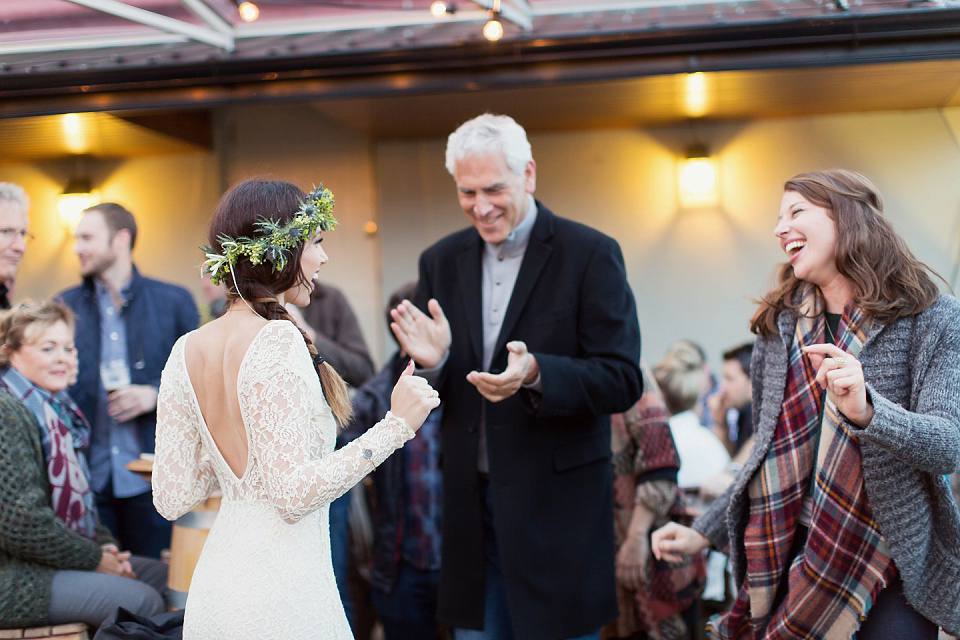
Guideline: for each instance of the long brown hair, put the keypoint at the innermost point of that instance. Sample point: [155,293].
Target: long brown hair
[235,216]
[888,281]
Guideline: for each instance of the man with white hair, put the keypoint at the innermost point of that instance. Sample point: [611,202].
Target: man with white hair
[14,204]
[527,327]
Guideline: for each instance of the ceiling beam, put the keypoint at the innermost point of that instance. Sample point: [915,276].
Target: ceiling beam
[563,7]
[371,20]
[157,21]
[88,42]
[206,13]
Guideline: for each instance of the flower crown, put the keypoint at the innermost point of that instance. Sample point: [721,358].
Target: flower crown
[272,242]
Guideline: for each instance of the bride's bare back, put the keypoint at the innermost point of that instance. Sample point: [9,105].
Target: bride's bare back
[214,354]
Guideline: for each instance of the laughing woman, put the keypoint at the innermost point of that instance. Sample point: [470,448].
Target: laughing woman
[841,523]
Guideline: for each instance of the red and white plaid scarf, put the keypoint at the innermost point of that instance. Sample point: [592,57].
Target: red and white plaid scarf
[826,591]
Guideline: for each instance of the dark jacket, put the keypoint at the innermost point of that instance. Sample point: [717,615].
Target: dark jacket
[156,314]
[370,405]
[339,339]
[34,542]
[551,484]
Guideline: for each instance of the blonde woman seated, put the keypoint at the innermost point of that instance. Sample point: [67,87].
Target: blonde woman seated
[58,564]
[680,377]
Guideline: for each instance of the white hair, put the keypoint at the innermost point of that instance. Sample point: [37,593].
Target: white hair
[14,194]
[490,134]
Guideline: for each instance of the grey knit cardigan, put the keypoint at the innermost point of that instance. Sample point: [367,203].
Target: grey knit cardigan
[912,369]
[34,542]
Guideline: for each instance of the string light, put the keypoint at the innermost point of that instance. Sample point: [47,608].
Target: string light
[438,8]
[493,30]
[248,11]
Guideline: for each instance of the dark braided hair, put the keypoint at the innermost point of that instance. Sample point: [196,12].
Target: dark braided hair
[235,216]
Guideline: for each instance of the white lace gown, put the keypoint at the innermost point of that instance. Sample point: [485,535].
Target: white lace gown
[265,570]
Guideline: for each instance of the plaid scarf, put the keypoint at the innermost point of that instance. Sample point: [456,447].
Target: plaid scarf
[63,431]
[827,589]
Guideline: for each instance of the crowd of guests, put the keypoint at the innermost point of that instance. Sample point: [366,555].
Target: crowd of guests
[562,489]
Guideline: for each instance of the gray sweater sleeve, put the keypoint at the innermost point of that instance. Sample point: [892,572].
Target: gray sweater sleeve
[928,438]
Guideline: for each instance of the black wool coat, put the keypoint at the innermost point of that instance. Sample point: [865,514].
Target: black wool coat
[550,470]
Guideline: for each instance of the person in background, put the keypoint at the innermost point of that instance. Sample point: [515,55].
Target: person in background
[14,205]
[680,378]
[332,324]
[407,508]
[58,564]
[734,397]
[126,326]
[841,521]
[533,340]
[710,384]
[215,297]
[657,600]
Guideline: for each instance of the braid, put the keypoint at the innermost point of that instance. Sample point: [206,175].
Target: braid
[334,388]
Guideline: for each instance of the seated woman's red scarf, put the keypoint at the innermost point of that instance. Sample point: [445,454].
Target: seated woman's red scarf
[845,563]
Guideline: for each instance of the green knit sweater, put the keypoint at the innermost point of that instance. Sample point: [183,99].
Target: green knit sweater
[34,542]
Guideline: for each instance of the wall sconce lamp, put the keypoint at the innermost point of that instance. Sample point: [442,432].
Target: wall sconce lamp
[77,196]
[248,11]
[699,185]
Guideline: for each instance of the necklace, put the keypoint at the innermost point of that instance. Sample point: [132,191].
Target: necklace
[831,336]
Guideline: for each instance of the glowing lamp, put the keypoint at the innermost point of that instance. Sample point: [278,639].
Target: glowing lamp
[699,185]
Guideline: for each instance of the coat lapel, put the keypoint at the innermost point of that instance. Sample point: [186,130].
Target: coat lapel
[468,266]
[539,248]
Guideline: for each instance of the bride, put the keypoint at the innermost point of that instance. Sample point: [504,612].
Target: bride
[247,405]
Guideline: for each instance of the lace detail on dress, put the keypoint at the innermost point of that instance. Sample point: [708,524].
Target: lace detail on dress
[265,570]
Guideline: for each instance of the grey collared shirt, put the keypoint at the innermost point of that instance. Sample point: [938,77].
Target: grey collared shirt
[113,444]
[500,268]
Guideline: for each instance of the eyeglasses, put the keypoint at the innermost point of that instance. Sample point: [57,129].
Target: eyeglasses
[9,234]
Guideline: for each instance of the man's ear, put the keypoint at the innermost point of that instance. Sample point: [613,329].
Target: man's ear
[122,239]
[530,177]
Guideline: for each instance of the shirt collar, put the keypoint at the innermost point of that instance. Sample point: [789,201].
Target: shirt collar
[103,290]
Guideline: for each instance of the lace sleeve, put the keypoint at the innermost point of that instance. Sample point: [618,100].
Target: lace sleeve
[183,475]
[280,417]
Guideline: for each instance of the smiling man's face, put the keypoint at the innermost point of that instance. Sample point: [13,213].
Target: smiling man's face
[493,197]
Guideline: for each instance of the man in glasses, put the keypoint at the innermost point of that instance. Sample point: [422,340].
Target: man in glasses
[13,236]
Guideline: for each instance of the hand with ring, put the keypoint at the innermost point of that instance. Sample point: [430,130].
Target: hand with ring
[842,376]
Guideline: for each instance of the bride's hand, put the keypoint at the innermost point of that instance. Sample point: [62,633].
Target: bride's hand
[413,398]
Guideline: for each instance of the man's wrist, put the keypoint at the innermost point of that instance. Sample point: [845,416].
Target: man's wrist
[533,372]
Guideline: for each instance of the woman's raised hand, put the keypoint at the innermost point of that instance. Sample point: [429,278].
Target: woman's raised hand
[672,541]
[413,398]
[842,376]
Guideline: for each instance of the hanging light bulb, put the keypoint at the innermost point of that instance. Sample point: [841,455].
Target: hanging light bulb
[438,8]
[493,30]
[248,11]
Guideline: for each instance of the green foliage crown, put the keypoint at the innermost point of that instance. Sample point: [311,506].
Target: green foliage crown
[273,242]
